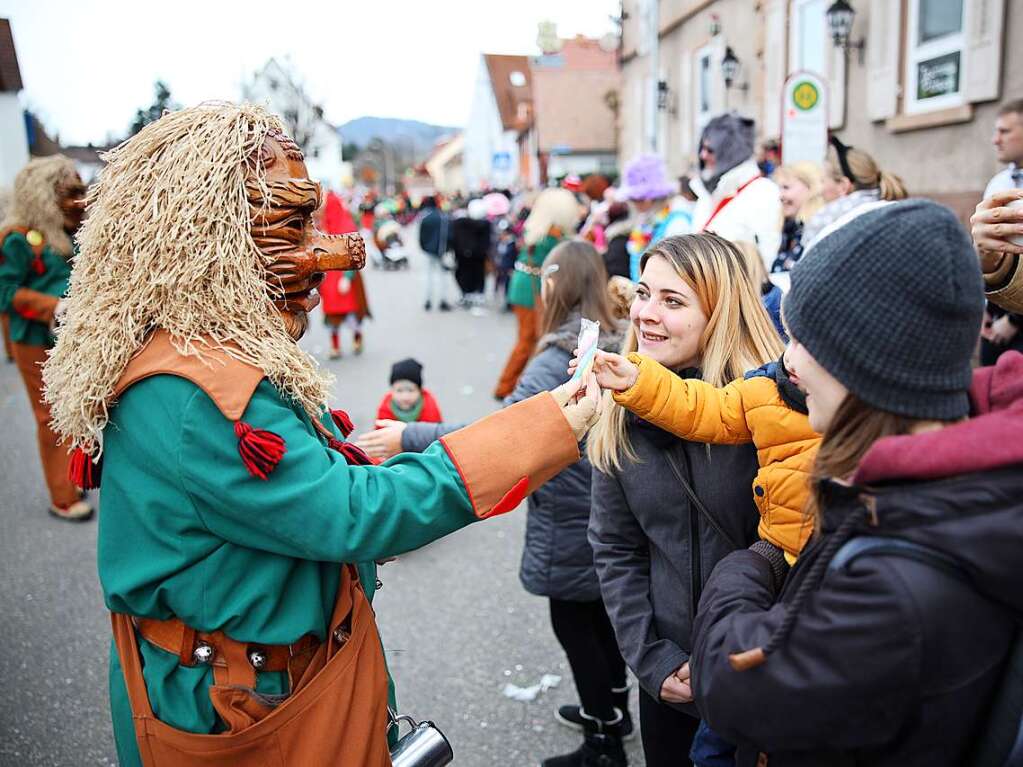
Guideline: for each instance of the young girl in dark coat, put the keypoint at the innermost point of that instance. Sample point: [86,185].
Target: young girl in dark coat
[666,510]
[886,643]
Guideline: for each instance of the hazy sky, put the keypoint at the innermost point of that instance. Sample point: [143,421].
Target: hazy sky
[88,65]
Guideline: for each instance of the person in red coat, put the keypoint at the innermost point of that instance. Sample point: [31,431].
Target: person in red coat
[407,401]
[342,294]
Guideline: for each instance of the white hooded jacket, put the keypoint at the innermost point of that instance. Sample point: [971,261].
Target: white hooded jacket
[753,214]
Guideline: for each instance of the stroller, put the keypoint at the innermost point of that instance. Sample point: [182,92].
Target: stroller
[388,251]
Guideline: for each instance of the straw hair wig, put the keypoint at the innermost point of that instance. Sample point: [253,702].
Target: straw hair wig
[167,244]
[34,204]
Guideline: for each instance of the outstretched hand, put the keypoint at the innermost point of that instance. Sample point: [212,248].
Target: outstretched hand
[383,443]
[613,371]
[580,404]
[995,225]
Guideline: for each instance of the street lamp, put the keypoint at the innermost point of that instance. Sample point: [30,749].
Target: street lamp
[840,17]
[730,68]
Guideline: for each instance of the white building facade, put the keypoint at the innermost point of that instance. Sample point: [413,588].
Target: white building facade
[274,87]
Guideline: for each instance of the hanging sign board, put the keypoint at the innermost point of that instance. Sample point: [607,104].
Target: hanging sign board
[804,119]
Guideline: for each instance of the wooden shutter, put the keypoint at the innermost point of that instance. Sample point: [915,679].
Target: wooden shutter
[983,49]
[883,58]
[774,65]
[837,62]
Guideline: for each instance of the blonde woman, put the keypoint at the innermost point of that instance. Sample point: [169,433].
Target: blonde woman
[800,188]
[851,178]
[665,510]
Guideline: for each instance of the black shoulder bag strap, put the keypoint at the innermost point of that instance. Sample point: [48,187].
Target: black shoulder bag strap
[695,499]
[1000,740]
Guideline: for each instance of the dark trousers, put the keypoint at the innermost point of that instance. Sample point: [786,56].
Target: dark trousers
[586,635]
[667,733]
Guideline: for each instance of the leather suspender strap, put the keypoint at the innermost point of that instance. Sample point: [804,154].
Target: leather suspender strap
[725,201]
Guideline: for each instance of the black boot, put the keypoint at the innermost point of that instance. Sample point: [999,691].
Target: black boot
[602,747]
[572,715]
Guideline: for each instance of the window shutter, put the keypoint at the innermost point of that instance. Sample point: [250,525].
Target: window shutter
[686,107]
[883,58]
[837,61]
[983,49]
[774,65]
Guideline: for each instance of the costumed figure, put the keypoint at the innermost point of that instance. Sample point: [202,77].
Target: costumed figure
[734,199]
[554,217]
[239,528]
[343,293]
[649,192]
[45,212]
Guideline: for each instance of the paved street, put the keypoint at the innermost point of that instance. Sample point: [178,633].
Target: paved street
[456,624]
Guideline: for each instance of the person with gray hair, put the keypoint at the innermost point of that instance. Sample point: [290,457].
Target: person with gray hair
[734,199]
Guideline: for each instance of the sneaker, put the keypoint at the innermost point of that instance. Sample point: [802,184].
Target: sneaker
[428,306]
[572,717]
[334,354]
[444,306]
[79,511]
[357,342]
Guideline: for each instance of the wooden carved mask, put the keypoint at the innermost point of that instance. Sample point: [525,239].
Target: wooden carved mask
[71,200]
[282,227]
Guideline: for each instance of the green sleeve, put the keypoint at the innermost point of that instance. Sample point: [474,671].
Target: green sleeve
[314,505]
[14,266]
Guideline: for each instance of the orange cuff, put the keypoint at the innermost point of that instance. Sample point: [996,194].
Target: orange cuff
[507,455]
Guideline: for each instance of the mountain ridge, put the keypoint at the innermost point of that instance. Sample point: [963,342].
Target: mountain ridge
[364,129]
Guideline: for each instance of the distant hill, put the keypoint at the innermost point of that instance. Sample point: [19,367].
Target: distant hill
[364,129]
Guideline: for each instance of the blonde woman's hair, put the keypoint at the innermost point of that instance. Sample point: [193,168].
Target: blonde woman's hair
[809,174]
[34,203]
[167,244]
[866,174]
[552,208]
[739,335]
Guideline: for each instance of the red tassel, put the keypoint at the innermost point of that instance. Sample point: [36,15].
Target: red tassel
[342,422]
[38,266]
[260,450]
[82,471]
[355,455]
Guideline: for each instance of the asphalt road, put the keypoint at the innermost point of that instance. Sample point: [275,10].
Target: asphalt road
[456,624]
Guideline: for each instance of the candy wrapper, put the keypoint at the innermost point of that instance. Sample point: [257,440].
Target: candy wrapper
[589,332]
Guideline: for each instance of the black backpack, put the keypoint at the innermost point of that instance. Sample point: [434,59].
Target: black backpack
[1000,740]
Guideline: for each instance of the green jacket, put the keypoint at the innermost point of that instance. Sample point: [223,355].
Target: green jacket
[186,531]
[17,271]
[523,288]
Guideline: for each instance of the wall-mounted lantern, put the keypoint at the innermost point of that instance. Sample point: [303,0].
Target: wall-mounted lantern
[840,17]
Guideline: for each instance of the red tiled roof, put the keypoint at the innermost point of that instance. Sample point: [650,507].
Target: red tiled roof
[509,96]
[10,73]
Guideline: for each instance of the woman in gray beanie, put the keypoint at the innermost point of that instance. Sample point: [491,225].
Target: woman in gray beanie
[886,643]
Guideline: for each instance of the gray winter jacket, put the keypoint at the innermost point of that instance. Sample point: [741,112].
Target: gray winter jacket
[654,550]
[557,560]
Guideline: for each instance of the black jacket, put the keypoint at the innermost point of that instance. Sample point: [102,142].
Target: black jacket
[434,233]
[890,660]
[654,551]
[616,259]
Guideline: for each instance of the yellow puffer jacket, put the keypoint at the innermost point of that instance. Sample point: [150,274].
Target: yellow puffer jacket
[746,410]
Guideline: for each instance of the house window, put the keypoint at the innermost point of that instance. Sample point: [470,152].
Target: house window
[934,55]
[705,74]
[808,48]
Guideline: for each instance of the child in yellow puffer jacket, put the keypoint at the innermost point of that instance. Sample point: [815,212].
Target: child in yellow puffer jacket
[766,407]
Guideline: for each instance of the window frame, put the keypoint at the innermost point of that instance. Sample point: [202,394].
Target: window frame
[933,49]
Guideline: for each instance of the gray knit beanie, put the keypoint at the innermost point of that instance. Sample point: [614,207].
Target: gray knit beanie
[891,304]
